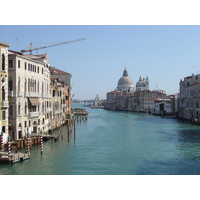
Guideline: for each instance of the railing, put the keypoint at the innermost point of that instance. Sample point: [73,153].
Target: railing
[5,104]
[10,93]
[58,112]
[34,114]
[48,109]
[19,94]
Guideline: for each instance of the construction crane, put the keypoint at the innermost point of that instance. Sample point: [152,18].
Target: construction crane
[61,43]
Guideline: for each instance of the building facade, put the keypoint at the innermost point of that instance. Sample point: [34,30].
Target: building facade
[4,89]
[29,94]
[189,98]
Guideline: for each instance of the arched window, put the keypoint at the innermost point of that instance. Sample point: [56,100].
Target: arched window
[25,85]
[10,110]
[3,94]
[3,129]
[38,86]
[42,87]
[19,109]
[25,108]
[3,62]
[18,83]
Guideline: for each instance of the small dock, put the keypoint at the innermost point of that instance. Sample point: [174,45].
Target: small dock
[14,157]
[80,114]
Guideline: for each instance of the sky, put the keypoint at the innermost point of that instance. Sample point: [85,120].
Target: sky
[164,53]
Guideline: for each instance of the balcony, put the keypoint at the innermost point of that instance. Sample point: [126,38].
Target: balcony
[58,112]
[48,109]
[4,104]
[32,94]
[34,114]
[19,94]
[10,93]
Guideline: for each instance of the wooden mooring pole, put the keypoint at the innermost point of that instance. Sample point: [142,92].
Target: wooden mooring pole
[74,129]
[41,142]
[2,144]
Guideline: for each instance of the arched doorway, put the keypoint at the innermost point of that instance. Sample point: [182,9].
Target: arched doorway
[20,131]
[11,131]
[34,127]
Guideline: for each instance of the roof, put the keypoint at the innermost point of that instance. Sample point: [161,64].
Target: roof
[197,84]
[55,71]
[152,99]
[35,56]
[4,44]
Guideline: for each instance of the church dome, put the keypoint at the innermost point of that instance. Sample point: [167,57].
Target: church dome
[140,83]
[125,83]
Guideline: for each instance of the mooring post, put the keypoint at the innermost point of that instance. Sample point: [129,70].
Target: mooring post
[28,142]
[9,152]
[74,129]
[2,144]
[41,142]
[68,130]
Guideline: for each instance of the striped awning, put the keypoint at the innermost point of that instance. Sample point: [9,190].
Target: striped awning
[34,101]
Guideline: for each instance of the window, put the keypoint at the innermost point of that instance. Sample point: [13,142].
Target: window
[38,70]
[10,65]
[10,85]
[10,110]
[3,129]
[18,63]
[3,115]
[19,109]
[25,65]
[42,71]
[25,109]
[3,62]
[3,94]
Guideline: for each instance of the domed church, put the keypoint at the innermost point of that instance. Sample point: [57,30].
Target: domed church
[125,83]
[142,84]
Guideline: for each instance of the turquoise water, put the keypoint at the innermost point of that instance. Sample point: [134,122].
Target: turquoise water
[117,143]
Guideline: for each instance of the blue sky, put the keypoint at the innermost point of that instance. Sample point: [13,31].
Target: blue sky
[165,54]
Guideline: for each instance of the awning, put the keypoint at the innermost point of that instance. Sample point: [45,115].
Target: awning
[34,101]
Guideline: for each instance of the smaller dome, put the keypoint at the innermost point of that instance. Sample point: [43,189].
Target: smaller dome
[140,83]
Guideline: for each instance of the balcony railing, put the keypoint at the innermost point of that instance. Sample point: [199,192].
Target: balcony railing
[19,94]
[34,114]
[10,93]
[4,104]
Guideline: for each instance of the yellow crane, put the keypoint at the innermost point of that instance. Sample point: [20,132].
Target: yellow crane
[61,43]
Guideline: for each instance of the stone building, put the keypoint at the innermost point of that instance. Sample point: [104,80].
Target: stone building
[4,89]
[98,103]
[189,99]
[141,95]
[125,98]
[111,100]
[29,94]
[64,77]
[159,106]
[57,114]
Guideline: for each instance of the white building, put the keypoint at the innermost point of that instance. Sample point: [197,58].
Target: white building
[29,94]
[4,104]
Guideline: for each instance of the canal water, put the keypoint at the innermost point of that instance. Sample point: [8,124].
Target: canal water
[117,143]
